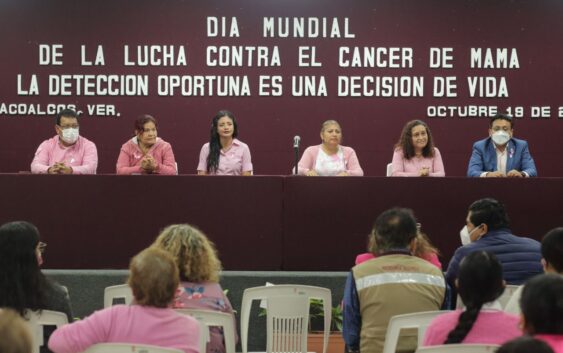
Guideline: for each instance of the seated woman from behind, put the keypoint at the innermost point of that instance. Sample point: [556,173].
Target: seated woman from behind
[330,158]
[199,268]
[415,154]
[479,284]
[542,309]
[149,320]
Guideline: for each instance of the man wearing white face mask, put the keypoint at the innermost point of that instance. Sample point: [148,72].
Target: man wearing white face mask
[67,152]
[501,155]
[487,229]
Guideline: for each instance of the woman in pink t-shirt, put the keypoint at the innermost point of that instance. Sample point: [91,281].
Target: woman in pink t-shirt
[199,270]
[415,154]
[479,284]
[542,309]
[224,154]
[330,158]
[149,320]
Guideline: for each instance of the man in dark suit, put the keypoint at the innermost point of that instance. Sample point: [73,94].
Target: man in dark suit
[501,155]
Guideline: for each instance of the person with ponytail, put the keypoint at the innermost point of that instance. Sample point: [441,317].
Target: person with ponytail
[224,154]
[542,309]
[479,285]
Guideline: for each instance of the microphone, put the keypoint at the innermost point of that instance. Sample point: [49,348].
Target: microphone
[296,141]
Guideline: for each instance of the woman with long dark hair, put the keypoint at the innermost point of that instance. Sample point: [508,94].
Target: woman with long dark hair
[415,154]
[224,154]
[479,285]
[22,284]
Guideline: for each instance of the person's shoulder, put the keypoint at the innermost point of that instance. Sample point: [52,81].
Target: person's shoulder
[161,143]
[129,144]
[482,143]
[519,143]
[85,141]
[240,143]
[348,149]
[53,141]
[436,151]
[312,149]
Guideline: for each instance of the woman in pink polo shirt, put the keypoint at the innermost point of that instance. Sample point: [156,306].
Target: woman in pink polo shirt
[224,154]
[146,153]
[330,158]
[415,154]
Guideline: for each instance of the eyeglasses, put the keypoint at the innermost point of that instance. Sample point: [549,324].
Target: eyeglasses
[41,247]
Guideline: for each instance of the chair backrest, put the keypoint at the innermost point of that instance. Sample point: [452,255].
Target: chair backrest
[419,321]
[287,318]
[121,291]
[128,348]
[389,170]
[503,299]
[38,319]
[208,318]
[459,348]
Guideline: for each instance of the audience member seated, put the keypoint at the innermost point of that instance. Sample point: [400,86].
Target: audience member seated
[542,309]
[67,152]
[423,249]
[199,269]
[330,158]
[501,154]
[525,344]
[23,286]
[479,284]
[415,154]
[393,283]
[224,154]
[15,336]
[146,153]
[149,320]
[552,262]
[487,229]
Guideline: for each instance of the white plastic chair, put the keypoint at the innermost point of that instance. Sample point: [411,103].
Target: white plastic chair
[389,171]
[121,291]
[459,348]
[419,321]
[38,319]
[287,317]
[503,299]
[128,348]
[208,318]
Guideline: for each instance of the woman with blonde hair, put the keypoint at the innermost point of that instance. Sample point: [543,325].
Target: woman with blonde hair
[199,269]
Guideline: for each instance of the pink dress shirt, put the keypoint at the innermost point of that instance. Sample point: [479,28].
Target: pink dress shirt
[554,341]
[309,160]
[411,167]
[82,156]
[234,161]
[129,324]
[130,156]
[430,257]
[491,327]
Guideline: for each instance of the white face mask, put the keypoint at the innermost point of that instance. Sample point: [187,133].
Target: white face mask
[464,236]
[70,135]
[500,137]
